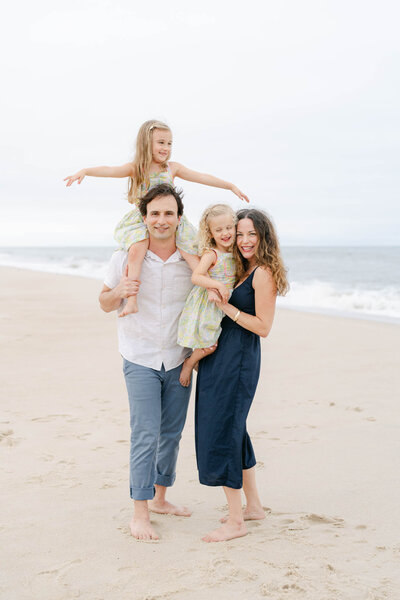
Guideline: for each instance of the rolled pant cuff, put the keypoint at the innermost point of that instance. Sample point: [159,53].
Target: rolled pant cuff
[142,493]
[165,480]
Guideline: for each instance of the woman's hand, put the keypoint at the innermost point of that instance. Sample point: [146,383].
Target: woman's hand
[79,177]
[236,191]
[223,291]
[213,296]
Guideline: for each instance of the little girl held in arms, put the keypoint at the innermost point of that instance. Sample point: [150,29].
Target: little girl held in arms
[200,322]
[149,168]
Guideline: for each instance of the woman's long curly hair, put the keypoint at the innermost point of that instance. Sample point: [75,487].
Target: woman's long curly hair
[268,253]
[143,158]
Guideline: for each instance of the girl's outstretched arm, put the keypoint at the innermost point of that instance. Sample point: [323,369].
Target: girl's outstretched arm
[122,171]
[200,275]
[179,170]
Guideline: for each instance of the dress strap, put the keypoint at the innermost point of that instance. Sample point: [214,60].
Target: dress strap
[216,256]
[251,276]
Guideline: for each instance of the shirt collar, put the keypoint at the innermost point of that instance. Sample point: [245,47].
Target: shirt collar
[175,257]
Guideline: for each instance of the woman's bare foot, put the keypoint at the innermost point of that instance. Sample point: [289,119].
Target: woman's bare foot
[142,530]
[130,307]
[228,531]
[250,514]
[186,373]
[163,507]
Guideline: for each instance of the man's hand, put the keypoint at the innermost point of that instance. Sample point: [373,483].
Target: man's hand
[127,287]
[110,299]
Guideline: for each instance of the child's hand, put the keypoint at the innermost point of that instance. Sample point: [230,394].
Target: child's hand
[223,291]
[79,177]
[242,196]
[213,296]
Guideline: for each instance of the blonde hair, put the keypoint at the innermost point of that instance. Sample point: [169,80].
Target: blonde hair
[143,158]
[268,253]
[205,239]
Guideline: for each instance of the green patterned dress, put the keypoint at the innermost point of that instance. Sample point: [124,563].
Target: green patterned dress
[132,229]
[200,322]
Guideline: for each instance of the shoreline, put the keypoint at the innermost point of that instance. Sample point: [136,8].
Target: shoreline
[302,310]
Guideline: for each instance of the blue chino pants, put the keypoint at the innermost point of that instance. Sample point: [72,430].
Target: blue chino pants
[158,405]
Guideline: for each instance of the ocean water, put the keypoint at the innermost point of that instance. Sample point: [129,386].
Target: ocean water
[355,282]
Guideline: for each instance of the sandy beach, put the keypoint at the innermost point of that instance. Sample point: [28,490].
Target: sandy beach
[325,428]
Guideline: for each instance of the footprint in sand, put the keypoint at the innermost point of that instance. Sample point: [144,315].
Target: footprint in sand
[322,520]
[287,521]
[47,457]
[48,418]
[6,437]
[62,569]
[106,485]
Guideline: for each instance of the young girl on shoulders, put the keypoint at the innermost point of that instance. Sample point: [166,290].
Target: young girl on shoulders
[149,168]
[200,321]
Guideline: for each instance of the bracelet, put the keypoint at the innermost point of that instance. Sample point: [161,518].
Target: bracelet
[235,318]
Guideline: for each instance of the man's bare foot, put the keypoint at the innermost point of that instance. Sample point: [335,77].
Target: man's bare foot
[228,531]
[163,507]
[130,307]
[249,514]
[186,373]
[142,530]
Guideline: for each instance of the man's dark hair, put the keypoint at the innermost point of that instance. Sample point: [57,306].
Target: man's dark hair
[164,189]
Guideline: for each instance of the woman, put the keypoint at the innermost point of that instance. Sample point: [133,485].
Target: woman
[227,379]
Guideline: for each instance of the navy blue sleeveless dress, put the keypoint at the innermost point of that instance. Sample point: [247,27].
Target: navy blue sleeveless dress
[226,384]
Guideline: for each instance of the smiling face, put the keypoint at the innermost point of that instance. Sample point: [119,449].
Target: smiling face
[222,230]
[247,239]
[162,217]
[162,145]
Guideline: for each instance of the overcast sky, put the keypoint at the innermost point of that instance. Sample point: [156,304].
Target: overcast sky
[296,102]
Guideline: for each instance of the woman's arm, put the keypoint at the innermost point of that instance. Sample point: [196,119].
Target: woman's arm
[200,275]
[122,171]
[179,170]
[265,298]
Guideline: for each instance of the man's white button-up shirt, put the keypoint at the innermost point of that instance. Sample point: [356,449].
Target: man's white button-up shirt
[148,338]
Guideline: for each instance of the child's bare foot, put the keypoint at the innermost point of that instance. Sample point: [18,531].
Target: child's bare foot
[166,508]
[228,531]
[130,307]
[142,530]
[186,373]
[250,514]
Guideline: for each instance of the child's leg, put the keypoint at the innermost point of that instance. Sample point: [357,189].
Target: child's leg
[191,259]
[136,255]
[190,363]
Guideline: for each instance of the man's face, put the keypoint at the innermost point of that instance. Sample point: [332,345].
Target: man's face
[162,217]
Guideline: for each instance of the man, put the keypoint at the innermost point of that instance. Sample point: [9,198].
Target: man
[152,359]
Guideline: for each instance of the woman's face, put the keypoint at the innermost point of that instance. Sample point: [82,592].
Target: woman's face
[247,239]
